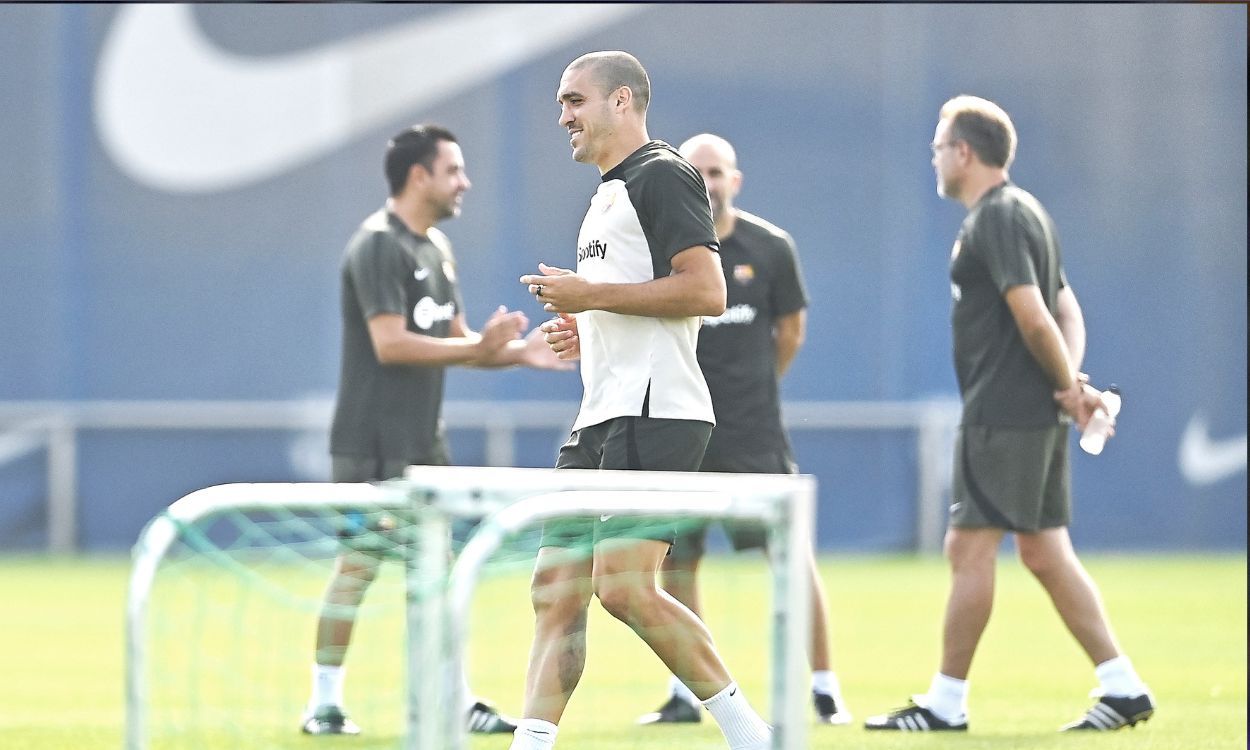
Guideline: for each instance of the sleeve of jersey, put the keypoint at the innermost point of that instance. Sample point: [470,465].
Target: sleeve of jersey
[1005,248]
[673,209]
[377,271]
[788,293]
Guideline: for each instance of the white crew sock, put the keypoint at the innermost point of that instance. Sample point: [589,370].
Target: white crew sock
[327,686]
[1118,678]
[678,688]
[948,698]
[534,734]
[742,727]
[824,681]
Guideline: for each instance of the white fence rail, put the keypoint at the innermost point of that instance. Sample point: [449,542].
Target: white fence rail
[27,427]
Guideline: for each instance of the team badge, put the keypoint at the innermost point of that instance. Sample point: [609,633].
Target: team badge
[744,273]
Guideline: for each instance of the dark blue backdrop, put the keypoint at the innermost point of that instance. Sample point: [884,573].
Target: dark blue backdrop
[117,284]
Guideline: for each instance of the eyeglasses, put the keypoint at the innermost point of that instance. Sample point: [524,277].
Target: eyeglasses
[936,147]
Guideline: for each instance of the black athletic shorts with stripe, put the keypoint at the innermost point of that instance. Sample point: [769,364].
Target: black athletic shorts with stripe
[743,535]
[1015,479]
[385,534]
[628,444]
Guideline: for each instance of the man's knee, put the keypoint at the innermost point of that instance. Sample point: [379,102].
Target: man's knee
[623,598]
[1045,555]
[559,596]
[970,550]
[1037,561]
[1048,553]
[352,576]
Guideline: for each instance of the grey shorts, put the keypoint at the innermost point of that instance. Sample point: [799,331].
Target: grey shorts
[365,468]
[743,535]
[1010,478]
[631,444]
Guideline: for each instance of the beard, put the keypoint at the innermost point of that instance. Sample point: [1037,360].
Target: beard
[448,209]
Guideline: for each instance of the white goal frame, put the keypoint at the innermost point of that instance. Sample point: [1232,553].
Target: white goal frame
[509,499]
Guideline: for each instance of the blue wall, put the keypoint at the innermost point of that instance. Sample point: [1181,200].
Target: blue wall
[117,284]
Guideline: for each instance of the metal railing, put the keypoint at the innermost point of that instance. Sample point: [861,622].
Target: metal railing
[27,427]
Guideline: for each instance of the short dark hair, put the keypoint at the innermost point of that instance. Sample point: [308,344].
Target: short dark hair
[415,145]
[984,126]
[614,69]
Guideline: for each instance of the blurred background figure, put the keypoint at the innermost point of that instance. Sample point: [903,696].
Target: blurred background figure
[1019,340]
[743,354]
[403,324]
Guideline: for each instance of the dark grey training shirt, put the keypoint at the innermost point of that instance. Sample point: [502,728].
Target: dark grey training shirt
[1006,240]
[393,411]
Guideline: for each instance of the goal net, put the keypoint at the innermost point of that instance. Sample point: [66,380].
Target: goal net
[227,586]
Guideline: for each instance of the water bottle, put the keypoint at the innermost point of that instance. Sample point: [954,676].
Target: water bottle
[1094,438]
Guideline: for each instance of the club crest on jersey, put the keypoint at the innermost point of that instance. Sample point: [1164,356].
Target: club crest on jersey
[744,273]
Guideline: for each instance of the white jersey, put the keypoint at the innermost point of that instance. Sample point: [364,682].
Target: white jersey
[647,209]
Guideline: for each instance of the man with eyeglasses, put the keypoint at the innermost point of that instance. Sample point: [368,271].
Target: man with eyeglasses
[1019,338]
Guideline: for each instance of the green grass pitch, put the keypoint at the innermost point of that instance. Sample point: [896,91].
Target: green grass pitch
[1181,618]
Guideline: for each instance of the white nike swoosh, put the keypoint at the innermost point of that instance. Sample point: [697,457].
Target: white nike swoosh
[1205,461]
[420,274]
[176,112]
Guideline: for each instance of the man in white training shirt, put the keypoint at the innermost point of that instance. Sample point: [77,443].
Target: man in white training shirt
[647,270]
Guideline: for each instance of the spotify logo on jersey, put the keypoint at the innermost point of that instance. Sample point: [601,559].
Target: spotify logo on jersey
[427,312]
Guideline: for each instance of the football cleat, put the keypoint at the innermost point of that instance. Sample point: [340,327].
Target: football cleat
[1111,713]
[828,711]
[484,718]
[328,720]
[913,718]
[674,711]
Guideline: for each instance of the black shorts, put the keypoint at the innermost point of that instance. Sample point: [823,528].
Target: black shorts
[1015,479]
[385,534]
[743,535]
[631,444]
